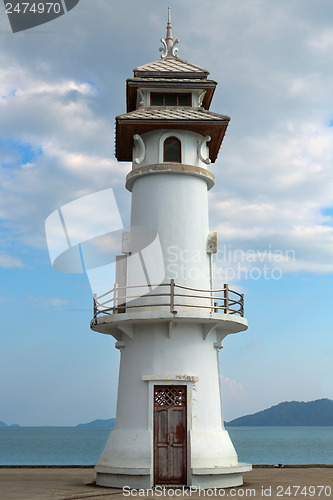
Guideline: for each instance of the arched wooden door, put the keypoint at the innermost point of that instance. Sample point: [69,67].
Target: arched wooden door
[170,432]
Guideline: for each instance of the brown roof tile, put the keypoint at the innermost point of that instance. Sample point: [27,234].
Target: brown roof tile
[171,66]
[172,113]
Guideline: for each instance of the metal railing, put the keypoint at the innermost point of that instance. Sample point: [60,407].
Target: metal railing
[119,299]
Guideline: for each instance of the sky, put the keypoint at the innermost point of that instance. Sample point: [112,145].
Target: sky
[61,86]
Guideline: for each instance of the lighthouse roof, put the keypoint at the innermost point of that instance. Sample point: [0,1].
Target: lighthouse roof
[143,120]
[169,75]
[171,67]
[169,72]
[172,113]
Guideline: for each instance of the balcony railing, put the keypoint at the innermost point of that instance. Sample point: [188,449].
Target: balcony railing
[169,296]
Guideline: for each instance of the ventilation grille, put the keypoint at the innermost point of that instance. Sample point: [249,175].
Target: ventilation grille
[170,396]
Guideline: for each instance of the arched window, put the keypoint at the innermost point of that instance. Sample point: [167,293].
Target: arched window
[172,150]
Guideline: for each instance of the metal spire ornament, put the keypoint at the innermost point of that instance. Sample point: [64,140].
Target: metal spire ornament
[169,48]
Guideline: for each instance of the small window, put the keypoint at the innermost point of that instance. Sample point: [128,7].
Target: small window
[184,99]
[170,99]
[156,99]
[172,150]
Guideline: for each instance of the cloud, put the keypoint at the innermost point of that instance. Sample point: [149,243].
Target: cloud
[48,301]
[322,42]
[231,389]
[275,194]
[54,302]
[8,261]
[273,176]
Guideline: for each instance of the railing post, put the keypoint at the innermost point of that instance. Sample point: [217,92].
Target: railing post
[226,299]
[172,295]
[95,306]
[242,305]
[115,298]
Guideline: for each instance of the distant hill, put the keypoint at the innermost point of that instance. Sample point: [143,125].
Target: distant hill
[110,423]
[319,412]
[2,424]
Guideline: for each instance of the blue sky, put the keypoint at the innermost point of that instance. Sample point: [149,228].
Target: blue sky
[62,84]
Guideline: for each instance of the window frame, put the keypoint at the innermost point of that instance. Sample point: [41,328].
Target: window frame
[177,94]
[180,149]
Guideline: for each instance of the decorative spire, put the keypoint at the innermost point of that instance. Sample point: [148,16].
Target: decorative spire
[169,48]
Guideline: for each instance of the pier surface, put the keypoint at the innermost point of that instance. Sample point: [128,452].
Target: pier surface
[78,482]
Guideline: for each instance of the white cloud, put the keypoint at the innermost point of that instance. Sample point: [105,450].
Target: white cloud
[231,388]
[54,302]
[323,41]
[274,174]
[274,191]
[8,261]
[48,301]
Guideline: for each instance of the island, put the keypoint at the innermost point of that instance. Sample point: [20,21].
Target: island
[298,413]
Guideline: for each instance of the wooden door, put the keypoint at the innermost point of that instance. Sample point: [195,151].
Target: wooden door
[170,434]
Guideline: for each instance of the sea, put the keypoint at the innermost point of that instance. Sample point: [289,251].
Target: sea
[83,445]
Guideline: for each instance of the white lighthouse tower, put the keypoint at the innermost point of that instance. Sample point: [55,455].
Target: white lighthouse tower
[166,317]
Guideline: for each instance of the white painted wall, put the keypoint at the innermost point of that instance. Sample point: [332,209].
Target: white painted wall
[176,206]
[152,353]
[154,147]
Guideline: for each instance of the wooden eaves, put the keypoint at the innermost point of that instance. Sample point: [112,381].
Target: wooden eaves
[127,128]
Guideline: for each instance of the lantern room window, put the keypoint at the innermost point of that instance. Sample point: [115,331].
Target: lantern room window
[170,99]
[172,150]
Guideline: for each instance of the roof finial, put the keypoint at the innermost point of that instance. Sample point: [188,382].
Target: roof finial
[169,48]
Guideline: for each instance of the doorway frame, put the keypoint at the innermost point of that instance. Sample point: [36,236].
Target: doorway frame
[190,382]
[171,408]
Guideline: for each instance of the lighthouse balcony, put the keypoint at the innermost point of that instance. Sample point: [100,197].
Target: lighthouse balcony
[169,302]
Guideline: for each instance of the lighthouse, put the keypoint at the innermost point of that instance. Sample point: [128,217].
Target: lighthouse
[163,310]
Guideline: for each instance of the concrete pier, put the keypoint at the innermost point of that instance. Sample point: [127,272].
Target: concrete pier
[78,482]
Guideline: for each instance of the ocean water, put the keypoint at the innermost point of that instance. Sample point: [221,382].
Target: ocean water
[82,446]
[283,445]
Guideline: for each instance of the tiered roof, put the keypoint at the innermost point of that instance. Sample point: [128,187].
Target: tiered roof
[169,72]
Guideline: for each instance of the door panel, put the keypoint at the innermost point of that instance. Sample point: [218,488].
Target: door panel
[170,434]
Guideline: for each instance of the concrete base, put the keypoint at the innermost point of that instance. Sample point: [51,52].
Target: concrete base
[224,477]
[57,483]
[127,460]
[218,477]
[111,480]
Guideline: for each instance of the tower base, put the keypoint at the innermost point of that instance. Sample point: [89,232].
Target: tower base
[224,477]
[127,461]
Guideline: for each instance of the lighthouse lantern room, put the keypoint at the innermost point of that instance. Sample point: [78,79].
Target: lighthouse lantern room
[166,316]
